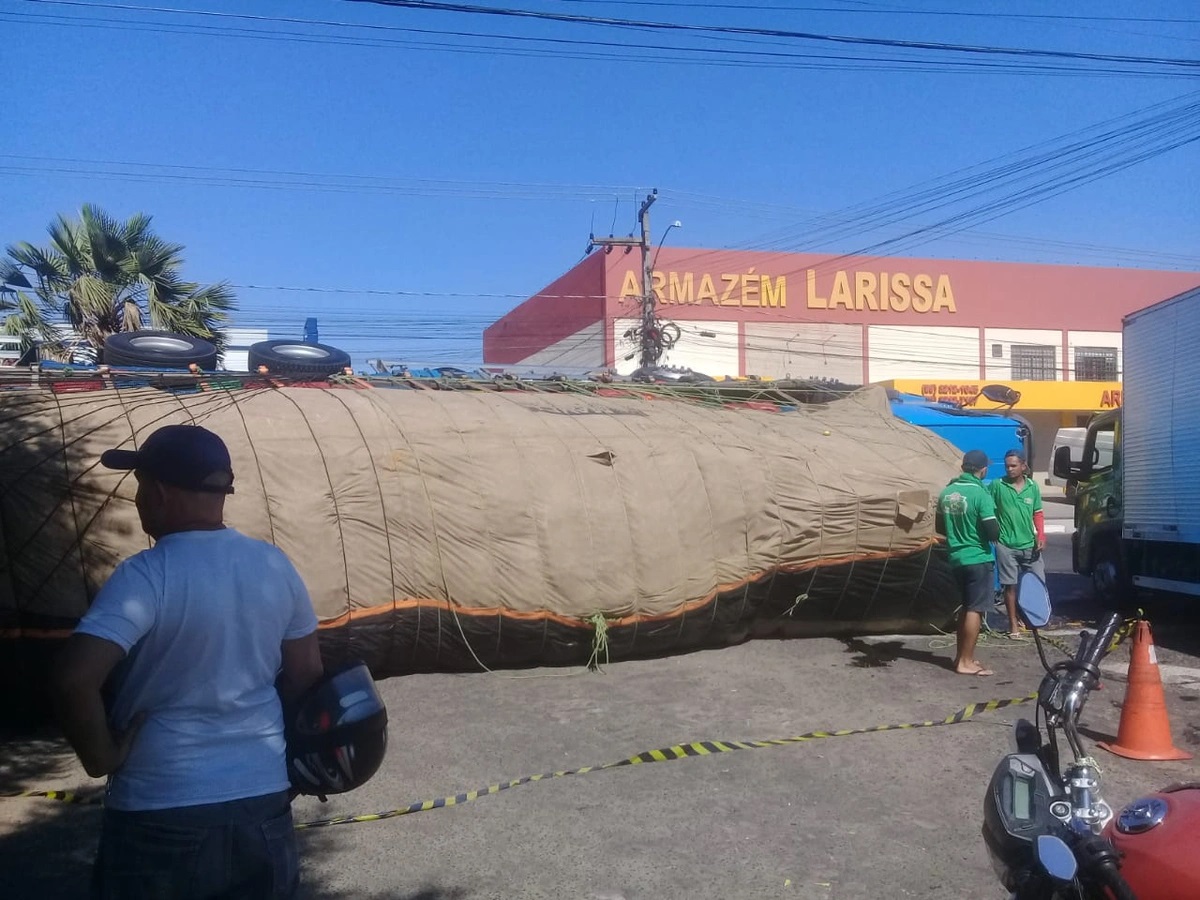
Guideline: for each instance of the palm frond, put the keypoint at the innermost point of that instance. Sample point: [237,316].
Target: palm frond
[11,276]
[131,316]
[46,265]
[218,297]
[94,294]
[154,259]
[136,230]
[28,320]
[70,243]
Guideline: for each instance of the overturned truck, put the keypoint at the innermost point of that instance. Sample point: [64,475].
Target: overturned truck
[495,525]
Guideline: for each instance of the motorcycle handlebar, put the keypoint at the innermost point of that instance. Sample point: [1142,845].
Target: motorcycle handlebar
[1084,642]
[1116,884]
[1099,646]
[1098,859]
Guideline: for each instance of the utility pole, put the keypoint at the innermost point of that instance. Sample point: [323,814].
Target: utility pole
[650,343]
[649,332]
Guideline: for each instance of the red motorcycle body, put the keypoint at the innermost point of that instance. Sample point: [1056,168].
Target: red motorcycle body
[1162,862]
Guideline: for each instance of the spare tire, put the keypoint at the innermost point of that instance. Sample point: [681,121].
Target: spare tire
[296,359]
[158,349]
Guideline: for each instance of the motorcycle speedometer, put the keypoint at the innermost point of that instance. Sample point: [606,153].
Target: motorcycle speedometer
[1016,810]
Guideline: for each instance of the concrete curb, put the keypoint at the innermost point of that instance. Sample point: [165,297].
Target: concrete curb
[1172,675]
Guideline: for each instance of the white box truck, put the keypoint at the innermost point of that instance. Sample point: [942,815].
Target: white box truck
[1137,513]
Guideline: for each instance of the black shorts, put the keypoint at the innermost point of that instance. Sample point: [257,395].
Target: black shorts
[976,586]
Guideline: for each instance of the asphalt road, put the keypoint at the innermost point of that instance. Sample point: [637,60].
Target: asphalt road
[892,814]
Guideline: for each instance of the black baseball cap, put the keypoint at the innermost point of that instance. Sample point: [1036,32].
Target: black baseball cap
[185,456]
[973,460]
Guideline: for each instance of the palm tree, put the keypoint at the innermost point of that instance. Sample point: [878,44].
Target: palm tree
[99,276]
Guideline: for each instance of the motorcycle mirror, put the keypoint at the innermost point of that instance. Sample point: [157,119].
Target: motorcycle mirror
[1033,600]
[1027,737]
[1055,858]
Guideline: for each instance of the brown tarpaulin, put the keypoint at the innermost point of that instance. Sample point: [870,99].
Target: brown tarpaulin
[448,529]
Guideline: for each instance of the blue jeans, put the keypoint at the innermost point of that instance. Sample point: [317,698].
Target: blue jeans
[238,850]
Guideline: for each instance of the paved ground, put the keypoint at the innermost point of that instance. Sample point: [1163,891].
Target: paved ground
[895,814]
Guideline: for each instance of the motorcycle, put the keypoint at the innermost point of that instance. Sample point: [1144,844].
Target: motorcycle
[1048,830]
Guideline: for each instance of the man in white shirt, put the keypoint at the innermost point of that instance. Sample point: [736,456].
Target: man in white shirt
[193,642]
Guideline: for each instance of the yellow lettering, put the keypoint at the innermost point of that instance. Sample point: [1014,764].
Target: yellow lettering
[814,302]
[923,288]
[731,282]
[864,290]
[750,284]
[657,280]
[630,287]
[681,288]
[944,297]
[706,291]
[840,295]
[900,294]
[884,291]
[777,295]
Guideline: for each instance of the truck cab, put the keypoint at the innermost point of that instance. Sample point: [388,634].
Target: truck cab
[995,432]
[1095,481]
[1110,544]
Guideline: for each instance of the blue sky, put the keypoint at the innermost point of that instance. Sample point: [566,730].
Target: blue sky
[455,182]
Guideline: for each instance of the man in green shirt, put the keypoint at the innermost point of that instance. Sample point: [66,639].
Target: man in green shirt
[966,515]
[1022,531]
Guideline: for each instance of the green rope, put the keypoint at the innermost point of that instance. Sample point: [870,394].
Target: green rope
[799,599]
[599,641]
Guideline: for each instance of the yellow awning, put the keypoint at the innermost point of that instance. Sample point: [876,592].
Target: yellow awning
[1083,396]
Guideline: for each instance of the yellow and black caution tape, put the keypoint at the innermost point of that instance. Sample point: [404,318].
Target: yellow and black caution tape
[666,754]
[89,799]
[679,751]
[1119,635]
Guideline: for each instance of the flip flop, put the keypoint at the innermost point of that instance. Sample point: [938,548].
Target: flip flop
[984,673]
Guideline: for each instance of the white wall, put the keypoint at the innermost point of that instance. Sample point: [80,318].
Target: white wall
[1093,339]
[710,348]
[237,348]
[1000,368]
[10,350]
[584,348]
[804,350]
[904,351]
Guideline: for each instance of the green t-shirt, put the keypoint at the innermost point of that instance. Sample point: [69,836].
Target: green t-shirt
[1014,511]
[964,505]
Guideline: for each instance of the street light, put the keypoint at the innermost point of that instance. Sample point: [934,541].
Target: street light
[675,224]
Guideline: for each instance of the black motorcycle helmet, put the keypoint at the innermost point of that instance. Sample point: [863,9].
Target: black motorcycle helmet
[337,733]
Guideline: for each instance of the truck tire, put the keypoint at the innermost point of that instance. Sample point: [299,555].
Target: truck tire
[158,349]
[1111,584]
[296,359]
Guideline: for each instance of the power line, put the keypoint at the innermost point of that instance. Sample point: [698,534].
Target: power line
[969,49]
[876,9]
[609,49]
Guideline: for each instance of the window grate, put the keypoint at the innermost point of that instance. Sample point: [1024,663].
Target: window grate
[1033,362]
[1095,364]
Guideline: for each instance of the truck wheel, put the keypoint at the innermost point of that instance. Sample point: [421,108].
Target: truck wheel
[296,359]
[1111,585]
[158,349]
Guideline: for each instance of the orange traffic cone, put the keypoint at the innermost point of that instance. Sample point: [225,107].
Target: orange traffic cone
[1145,731]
